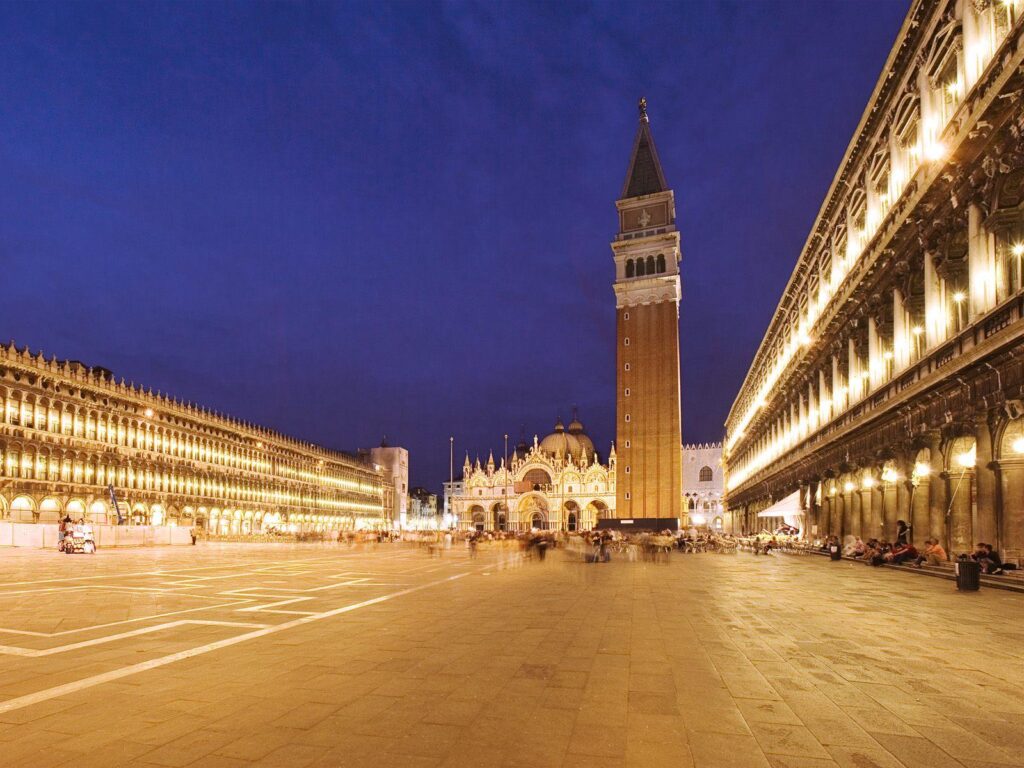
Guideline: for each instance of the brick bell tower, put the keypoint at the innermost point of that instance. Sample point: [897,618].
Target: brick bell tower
[648,427]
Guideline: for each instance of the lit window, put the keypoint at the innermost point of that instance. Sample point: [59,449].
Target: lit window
[627,418]
[627,391]
[627,366]
[626,341]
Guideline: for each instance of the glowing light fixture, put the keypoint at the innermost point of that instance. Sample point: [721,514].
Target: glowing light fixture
[890,475]
[922,469]
[869,482]
[967,459]
[149,413]
[917,330]
[848,486]
[1018,249]
[887,354]
[935,150]
[1018,445]
[959,297]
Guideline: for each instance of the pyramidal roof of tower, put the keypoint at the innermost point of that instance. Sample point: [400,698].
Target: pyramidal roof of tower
[645,176]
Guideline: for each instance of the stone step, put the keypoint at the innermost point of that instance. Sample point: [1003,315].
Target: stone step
[1012,581]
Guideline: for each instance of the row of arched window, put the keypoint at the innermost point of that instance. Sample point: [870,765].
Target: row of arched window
[29,463]
[693,505]
[23,409]
[648,266]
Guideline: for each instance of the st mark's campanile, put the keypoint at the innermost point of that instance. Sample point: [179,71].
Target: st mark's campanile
[647,292]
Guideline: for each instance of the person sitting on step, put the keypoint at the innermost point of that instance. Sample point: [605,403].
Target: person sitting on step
[988,558]
[933,554]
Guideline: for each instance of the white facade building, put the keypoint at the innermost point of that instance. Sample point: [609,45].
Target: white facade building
[703,484]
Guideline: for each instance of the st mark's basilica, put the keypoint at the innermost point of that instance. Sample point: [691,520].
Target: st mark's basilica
[558,482]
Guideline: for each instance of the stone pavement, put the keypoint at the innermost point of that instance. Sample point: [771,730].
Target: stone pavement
[278,655]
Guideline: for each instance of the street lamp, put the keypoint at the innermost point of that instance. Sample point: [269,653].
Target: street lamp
[504,503]
[451,481]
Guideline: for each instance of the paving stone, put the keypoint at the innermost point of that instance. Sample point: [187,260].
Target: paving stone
[714,662]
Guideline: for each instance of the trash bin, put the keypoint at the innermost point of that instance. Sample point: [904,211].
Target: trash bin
[968,574]
[834,552]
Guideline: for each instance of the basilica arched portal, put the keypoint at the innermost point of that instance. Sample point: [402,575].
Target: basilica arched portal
[533,512]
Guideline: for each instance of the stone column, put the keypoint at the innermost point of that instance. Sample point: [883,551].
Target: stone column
[938,499]
[903,510]
[985,524]
[876,365]
[981,263]
[934,312]
[903,346]
[890,513]
[919,527]
[813,509]
[878,509]
[961,489]
[839,506]
[852,516]
[1011,475]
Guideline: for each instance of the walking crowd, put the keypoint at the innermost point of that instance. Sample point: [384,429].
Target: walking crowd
[597,546]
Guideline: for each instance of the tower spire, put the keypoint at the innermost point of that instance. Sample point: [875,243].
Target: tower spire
[644,176]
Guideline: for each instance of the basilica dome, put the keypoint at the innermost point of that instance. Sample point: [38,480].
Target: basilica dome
[575,442]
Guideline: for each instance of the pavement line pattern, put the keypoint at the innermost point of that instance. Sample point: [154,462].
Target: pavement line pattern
[47,694]
[14,650]
[265,567]
[240,597]
[91,627]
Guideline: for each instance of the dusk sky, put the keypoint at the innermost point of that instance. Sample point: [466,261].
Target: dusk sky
[350,220]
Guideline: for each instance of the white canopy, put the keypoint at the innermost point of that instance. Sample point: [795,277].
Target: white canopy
[787,507]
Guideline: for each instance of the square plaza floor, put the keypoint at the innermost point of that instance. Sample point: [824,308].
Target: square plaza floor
[291,655]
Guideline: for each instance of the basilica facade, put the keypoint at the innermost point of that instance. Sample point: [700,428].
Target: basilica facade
[556,483]
[890,383]
[74,441]
[559,483]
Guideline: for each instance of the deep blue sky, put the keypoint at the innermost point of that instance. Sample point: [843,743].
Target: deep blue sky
[348,220]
